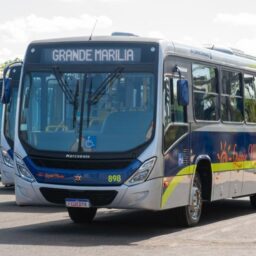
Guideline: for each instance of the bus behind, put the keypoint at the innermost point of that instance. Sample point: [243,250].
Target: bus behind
[9,100]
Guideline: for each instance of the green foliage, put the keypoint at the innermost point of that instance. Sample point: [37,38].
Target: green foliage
[3,65]
[250,110]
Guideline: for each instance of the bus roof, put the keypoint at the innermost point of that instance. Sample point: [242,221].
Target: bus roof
[99,39]
[213,56]
[169,47]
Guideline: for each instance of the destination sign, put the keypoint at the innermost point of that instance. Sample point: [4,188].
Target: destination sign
[91,55]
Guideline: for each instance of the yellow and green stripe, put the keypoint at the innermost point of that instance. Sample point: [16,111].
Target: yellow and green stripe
[216,168]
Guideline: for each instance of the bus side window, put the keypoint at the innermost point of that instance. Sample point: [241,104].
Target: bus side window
[173,112]
[178,113]
[250,98]
[205,92]
[232,97]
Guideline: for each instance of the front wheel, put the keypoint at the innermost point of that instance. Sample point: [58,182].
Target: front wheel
[189,215]
[82,215]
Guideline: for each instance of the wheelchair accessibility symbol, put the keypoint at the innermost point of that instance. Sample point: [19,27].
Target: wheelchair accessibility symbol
[90,142]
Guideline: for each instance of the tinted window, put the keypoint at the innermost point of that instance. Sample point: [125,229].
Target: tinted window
[250,98]
[173,111]
[175,116]
[113,116]
[231,98]
[205,88]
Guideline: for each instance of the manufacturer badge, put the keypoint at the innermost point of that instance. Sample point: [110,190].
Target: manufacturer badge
[77,178]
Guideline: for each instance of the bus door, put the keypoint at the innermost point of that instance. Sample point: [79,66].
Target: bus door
[176,142]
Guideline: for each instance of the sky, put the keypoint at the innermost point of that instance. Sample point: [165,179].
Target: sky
[229,23]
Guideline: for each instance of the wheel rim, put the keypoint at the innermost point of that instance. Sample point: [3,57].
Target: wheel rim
[195,208]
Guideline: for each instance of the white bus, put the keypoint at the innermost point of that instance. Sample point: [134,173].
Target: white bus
[131,122]
[12,74]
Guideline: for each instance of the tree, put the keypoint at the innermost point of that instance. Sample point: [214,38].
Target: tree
[6,63]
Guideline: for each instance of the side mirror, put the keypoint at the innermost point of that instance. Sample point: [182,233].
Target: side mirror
[1,85]
[11,75]
[6,91]
[183,92]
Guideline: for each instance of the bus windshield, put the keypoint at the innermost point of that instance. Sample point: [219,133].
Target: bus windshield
[9,116]
[87,112]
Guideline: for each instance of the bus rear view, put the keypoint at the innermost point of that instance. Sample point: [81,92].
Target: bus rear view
[86,126]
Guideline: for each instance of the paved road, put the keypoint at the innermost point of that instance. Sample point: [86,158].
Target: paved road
[228,228]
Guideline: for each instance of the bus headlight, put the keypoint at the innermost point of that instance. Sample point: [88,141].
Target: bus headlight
[23,171]
[142,173]
[7,160]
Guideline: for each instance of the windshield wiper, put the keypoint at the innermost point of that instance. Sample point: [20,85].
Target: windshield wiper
[85,84]
[75,109]
[94,98]
[64,86]
[89,102]
[72,98]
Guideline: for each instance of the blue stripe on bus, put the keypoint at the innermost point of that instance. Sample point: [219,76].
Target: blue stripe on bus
[221,147]
[103,177]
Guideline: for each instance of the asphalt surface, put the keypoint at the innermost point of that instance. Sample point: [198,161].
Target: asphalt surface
[228,227]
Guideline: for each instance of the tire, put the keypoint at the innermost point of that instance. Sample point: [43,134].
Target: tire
[82,215]
[253,201]
[189,215]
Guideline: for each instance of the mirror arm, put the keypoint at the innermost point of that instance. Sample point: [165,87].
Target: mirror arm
[176,69]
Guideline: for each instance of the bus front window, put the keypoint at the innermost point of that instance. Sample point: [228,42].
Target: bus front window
[87,112]
[9,116]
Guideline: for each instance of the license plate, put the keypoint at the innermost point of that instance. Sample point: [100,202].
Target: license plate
[77,203]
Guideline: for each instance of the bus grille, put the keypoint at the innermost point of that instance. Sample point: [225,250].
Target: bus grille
[97,198]
[78,164]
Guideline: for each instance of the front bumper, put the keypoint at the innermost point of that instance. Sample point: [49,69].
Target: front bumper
[7,175]
[146,195]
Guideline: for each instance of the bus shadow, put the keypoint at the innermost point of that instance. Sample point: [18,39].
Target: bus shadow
[117,227]
[11,206]
[225,209]
[7,190]
[113,228]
